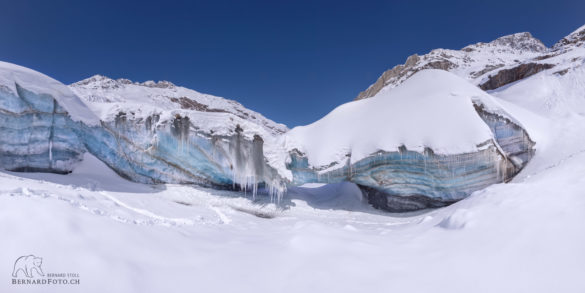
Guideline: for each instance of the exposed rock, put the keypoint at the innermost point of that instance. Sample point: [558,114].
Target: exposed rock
[487,69]
[506,76]
[523,42]
[161,84]
[401,72]
[562,72]
[191,104]
[576,38]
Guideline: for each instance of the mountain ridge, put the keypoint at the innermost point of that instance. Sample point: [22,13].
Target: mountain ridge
[521,54]
[101,91]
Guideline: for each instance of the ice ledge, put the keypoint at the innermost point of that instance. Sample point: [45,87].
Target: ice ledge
[12,75]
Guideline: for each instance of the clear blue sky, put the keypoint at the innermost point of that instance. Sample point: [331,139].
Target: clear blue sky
[293,61]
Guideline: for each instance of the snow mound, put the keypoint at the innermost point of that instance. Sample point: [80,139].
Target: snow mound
[12,74]
[433,109]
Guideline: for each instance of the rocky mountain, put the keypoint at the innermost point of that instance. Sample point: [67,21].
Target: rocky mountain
[491,65]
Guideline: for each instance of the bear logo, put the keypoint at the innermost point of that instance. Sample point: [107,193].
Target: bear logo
[27,264]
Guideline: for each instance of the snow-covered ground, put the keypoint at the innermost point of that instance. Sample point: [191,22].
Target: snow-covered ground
[526,236]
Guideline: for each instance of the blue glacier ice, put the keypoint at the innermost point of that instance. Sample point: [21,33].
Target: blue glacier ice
[407,180]
[427,143]
[154,151]
[36,133]
[46,128]
[40,134]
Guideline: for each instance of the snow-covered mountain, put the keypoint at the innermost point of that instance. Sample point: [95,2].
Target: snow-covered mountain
[491,65]
[108,97]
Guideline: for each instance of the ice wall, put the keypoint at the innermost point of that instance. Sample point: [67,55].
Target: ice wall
[36,133]
[406,180]
[174,151]
[46,128]
[511,137]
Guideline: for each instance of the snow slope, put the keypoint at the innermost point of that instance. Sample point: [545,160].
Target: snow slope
[432,109]
[107,97]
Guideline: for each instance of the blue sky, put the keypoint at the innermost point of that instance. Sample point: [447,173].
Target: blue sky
[293,61]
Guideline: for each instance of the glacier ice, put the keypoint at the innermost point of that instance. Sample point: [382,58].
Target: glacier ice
[471,141]
[39,134]
[409,180]
[154,151]
[429,142]
[36,133]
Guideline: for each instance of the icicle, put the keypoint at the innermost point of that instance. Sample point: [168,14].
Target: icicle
[51,151]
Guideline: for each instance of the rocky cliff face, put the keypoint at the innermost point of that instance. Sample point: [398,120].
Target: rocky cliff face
[488,65]
[574,39]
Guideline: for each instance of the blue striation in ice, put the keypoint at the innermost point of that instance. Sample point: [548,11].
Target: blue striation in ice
[153,151]
[405,180]
[36,133]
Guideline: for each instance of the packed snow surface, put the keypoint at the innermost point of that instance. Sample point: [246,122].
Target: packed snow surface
[432,109]
[11,74]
